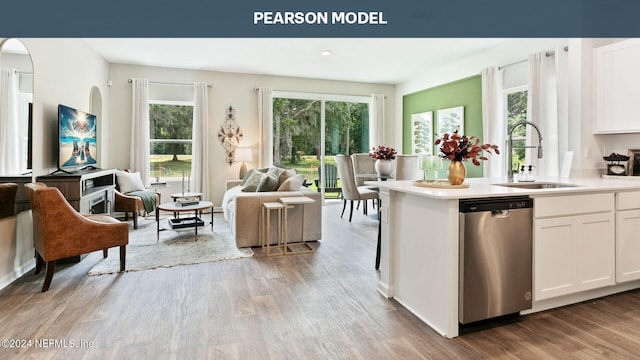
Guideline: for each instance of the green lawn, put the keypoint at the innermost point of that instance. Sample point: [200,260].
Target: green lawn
[163,166]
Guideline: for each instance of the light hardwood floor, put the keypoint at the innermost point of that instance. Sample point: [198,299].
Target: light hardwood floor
[314,306]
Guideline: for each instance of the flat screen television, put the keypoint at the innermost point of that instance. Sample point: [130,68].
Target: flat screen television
[77,139]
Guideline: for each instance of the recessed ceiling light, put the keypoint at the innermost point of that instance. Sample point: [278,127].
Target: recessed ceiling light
[325,52]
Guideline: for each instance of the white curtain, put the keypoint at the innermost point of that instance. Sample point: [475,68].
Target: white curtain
[376,120]
[140,132]
[547,107]
[10,163]
[562,85]
[493,123]
[201,151]
[265,126]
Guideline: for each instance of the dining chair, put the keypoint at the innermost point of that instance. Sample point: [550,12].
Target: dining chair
[407,167]
[350,190]
[363,163]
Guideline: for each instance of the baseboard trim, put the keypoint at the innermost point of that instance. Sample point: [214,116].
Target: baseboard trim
[17,273]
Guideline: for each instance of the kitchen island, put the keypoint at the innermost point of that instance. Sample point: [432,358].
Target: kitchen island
[419,264]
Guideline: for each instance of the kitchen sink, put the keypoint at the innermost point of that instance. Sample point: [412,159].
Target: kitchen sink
[537,185]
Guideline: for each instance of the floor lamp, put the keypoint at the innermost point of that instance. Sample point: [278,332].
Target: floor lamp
[243,154]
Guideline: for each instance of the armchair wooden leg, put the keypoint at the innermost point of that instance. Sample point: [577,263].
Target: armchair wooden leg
[135,220]
[344,206]
[105,253]
[47,279]
[365,210]
[39,263]
[123,257]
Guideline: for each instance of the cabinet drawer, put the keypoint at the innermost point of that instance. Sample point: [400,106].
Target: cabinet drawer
[628,200]
[573,204]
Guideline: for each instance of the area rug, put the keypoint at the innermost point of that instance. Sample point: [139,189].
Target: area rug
[174,248]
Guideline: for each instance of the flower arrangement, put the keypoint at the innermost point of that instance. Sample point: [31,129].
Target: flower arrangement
[382,152]
[461,147]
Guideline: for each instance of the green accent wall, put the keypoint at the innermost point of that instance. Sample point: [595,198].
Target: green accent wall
[465,92]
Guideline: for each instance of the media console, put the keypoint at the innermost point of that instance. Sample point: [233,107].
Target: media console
[88,191]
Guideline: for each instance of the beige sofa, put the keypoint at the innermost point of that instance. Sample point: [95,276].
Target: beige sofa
[242,211]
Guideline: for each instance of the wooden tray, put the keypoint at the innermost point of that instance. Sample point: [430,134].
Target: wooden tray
[442,184]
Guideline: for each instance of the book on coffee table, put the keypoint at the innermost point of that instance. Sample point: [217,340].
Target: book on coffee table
[187,202]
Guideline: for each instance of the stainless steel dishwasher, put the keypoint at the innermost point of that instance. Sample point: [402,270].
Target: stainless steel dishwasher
[496,247]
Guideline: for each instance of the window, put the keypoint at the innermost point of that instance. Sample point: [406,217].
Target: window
[171,126]
[516,103]
[310,129]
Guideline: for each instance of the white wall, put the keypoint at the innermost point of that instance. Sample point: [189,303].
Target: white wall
[229,89]
[64,72]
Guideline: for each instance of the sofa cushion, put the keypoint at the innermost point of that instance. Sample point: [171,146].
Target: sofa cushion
[250,172]
[293,183]
[128,182]
[247,176]
[269,182]
[287,173]
[253,181]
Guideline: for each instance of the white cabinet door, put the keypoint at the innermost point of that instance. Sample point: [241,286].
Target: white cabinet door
[553,257]
[595,251]
[627,245]
[616,90]
[573,253]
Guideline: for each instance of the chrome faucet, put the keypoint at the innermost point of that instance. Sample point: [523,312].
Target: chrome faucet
[510,146]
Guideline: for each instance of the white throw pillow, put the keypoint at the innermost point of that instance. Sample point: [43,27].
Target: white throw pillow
[128,182]
[292,184]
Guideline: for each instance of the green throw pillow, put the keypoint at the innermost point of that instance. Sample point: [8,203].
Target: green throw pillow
[268,183]
[246,177]
[253,181]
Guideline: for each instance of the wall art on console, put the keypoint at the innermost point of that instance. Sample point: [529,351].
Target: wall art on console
[450,120]
[422,133]
[230,134]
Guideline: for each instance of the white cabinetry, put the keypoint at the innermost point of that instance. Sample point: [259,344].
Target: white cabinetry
[616,91]
[627,236]
[574,244]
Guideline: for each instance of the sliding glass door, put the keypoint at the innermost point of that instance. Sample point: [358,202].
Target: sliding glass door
[310,129]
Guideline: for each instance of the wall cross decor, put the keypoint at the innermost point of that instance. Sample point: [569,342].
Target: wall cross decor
[230,134]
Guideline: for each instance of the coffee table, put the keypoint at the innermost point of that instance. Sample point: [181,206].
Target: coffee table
[180,223]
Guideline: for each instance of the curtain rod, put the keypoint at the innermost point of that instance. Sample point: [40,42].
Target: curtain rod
[547,54]
[169,83]
[257,88]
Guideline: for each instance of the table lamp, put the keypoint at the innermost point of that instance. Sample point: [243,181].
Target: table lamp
[243,154]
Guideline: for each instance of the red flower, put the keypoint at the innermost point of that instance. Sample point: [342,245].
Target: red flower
[461,147]
[382,152]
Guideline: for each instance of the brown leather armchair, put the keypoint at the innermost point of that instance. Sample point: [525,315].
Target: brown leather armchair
[59,231]
[8,199]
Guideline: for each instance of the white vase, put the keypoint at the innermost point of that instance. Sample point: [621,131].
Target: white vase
[383,167]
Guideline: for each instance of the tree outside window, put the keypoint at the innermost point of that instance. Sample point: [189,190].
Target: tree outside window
[516,112]
[171,138]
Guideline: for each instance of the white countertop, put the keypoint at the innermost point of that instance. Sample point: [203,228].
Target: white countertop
[485,187]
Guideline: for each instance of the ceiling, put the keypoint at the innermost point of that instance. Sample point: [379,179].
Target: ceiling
[383,61]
